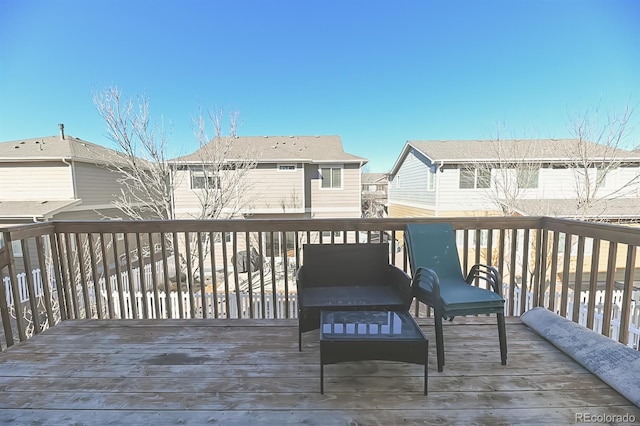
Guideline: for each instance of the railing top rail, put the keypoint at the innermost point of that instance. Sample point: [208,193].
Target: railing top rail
[255,225]
[604,231]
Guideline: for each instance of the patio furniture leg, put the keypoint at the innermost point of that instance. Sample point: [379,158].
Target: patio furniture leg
[426,369]
[439,340]
[502,333]
[321,379]
[299,338]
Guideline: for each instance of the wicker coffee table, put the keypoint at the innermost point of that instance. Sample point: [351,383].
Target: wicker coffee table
[347,336]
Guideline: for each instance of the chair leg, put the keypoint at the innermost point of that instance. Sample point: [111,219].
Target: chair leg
[502,334]
[439,340]
[299,333]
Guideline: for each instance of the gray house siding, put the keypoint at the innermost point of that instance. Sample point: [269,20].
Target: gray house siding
[409,184]
[95,185]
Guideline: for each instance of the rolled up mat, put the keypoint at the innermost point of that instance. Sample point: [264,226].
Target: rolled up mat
[614,363]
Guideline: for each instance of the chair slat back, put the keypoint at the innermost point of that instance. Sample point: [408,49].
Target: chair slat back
[433,245]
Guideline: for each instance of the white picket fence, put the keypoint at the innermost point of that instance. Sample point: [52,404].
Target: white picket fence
[282,301]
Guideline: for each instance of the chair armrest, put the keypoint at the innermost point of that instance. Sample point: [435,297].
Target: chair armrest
[401,282]
[430,283]
[488,274]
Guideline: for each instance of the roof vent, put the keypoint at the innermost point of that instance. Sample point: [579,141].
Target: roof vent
[61,126]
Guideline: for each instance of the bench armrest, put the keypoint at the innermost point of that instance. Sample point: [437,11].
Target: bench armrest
[401,282]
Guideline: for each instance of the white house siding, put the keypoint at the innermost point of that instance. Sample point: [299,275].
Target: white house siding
[453,199]
[409,185]
[35,181]
[330,202]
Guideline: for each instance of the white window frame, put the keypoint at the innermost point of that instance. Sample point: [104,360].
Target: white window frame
[431,180]
[287,167]
[331,167]
[208,175]
[476,177]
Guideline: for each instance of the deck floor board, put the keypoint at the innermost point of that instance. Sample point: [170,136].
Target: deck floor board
[250,372]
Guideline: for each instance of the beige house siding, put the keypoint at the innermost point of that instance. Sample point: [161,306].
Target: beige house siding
[274,191]
[35,181]
[335,202]
[401,210]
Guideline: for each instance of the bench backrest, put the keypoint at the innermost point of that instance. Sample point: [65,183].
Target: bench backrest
[327,265]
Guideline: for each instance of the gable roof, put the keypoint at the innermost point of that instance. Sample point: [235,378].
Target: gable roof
[53,148]
[551,150]
[39,209]
[265,149]
[369,178]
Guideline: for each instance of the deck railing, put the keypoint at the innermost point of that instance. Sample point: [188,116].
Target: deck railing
[246,268]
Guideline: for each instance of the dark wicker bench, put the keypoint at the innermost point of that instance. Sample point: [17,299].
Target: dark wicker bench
[348,277]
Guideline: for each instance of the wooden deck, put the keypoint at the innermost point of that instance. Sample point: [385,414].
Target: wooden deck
[250,372]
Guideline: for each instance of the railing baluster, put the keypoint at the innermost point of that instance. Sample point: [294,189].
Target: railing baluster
[577,286]
[593,282]
[116,260]
[94,273]
[203,283]
[610,285]
[566,267]
[626,295]
[106,274]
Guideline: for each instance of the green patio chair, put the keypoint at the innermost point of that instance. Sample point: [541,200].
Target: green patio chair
[438,281]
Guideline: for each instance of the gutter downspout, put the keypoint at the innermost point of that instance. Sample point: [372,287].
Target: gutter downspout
[440,169]
[73,176]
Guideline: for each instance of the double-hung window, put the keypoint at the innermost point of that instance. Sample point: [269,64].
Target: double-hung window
[204,179]
[331,177]
[472,178]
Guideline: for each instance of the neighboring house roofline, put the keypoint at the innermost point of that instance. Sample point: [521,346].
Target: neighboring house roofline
[478,151]
[273,149]
[28,209]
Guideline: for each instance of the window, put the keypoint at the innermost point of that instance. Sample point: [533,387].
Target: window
[331,177]
[286,167]
[527,178]
[204,179]
[475,178]
[431,180]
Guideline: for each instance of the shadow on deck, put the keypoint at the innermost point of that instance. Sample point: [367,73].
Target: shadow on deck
[250,372]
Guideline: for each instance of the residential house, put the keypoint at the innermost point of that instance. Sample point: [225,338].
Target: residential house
[56,177]
[565,178]
[291,177]
[375,187]
[287,177]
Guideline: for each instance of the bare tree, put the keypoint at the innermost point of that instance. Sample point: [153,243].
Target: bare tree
[598,152]
[141,162]
[225,190]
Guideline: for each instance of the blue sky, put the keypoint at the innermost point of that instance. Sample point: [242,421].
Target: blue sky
[377,73]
